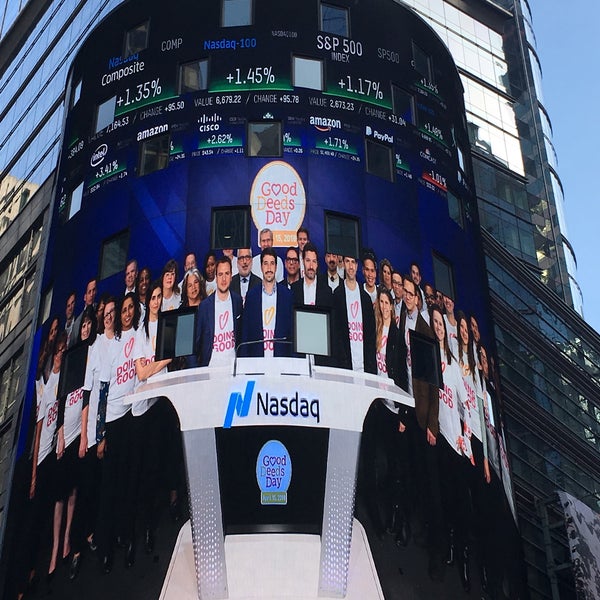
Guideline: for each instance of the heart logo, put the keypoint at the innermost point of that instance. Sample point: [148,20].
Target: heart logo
[354,309]
[268,316]
[129,347]
[276,188]
[223,319]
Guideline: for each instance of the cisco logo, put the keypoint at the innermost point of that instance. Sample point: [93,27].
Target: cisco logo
[98,155]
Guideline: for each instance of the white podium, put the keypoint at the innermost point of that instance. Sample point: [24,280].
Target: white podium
[271,392]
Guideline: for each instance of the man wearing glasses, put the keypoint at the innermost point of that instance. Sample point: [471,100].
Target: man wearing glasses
[398,289]
[245,279]
[292,266]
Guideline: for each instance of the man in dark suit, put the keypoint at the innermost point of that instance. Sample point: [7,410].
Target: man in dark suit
[245,279]
[311,289]
[219,321]
[267,313]
[353,338]
[420,427]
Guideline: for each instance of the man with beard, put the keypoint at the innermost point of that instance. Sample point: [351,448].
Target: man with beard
[353,338]
[267,313]
[333,277]
[245,279]
[311,289]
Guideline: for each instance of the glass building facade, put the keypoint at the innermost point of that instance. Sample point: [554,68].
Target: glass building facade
[549,358]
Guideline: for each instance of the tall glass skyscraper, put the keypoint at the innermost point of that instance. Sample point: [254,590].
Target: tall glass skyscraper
[549,359]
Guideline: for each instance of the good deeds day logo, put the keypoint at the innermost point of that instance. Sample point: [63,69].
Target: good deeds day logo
[273,472]
[293,405]
[278,201]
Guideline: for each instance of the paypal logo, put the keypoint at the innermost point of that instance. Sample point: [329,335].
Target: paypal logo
[239,404]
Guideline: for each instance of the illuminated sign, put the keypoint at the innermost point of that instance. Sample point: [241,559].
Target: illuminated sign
[278,201]
[268,404]
[273,473]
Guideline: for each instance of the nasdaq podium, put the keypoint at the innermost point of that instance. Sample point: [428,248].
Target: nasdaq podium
[271,449]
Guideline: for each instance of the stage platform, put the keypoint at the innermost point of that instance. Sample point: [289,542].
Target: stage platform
[272,567]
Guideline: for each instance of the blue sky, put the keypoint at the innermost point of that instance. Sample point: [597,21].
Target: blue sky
[568,46]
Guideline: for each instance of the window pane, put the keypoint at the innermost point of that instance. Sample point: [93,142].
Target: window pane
[136,39]
[75,203]
[341,235]
[106,114]
[264,139]
[403,104]
[421,62]
[443,275]
[193,76]
[154,154]
[334,19]
[379,160]
[307,73]
[114,255]
[237,13]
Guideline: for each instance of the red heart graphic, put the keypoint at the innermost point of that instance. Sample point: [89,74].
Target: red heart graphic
[223,319]
[276,188]
[354,309]
[129,347]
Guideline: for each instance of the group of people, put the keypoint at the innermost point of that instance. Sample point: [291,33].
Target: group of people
[99,462]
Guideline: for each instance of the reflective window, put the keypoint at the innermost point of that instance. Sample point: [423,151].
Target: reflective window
[193,76]
[76,93]
[342,235]
[489,105]
[113,256]
[379,159]
[11,383]
[335,19]
[154,154]
[403,104]
[136,39]
[307,73]
[236,13]
[494,142]
[537,75]
[264,138]
[443,275]
[106,114]
[75,200]
[455,209]
[421,62]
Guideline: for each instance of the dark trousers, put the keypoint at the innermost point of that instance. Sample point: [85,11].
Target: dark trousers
[113,510]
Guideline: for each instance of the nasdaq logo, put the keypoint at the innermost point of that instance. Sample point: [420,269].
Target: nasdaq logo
[239,404]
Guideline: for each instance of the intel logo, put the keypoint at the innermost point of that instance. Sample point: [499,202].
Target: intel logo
[98,156]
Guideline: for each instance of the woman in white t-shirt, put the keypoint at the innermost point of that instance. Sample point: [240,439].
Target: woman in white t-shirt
[114,422]
[70,447]
[43,476]
[147,423]
[452,452]
[478,473]
[382,428]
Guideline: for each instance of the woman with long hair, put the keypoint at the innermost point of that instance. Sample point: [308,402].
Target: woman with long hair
[43,476]
[70,445]
[385,274]
[147,423]
[382,427]
[114,423]
[194,288]
[473,431]
[451,446]
[170,288]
